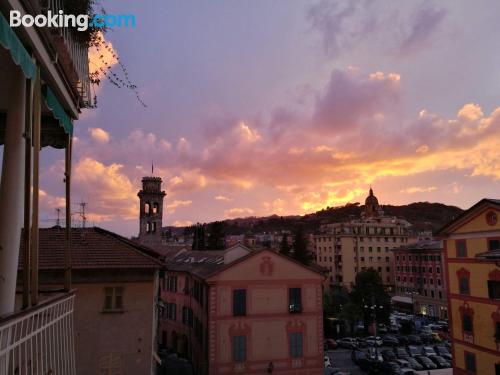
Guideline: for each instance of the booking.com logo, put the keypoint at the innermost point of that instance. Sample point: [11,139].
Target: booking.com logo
[81,22]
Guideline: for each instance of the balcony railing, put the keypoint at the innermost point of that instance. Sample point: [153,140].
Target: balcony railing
[72,54]
[39,340]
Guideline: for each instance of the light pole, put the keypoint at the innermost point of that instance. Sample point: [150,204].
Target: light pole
[373,310]
[412,293]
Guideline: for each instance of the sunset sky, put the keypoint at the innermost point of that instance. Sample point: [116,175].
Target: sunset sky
[259,107]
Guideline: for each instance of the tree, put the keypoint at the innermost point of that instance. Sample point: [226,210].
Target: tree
[199,237]
[216,236]
[300,251]
[369,290]
[284,245]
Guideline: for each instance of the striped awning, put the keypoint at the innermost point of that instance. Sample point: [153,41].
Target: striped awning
[10,41]
[57,110]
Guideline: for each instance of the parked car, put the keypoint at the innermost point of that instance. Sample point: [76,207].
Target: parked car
[440,361]
[389,340]
[347,342]
[361,359]
[382,328]
[390,368]
[401,353]
[372,341]
[414,364]
[426,363]
[388,355]
[414,340]
[361,343]
[403,340]
[403,363]
[330,344]
[426,338]
[443,352]
[428,350]
[414,351]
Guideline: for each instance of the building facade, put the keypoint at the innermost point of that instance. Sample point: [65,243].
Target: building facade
[245,312]
[472,263]
[349,247]
[419,278]
[116,296]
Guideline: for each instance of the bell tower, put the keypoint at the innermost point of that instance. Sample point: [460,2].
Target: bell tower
[150,211]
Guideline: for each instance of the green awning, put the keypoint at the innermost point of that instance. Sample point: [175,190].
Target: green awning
[20,56]
[57,110]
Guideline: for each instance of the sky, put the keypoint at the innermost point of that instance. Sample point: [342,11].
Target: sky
[260,107]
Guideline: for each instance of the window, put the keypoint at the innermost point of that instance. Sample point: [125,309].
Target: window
[155,208]
[186,285]
[239,302]
[387,259]
[147,208]
[440,295]
[296,344]
[187,316]
[294,300]
[460,246]
[438,270]
[171,311]
[239,348]
[153,226]
[470,362]
[378,249]
[467,325]
[172,283]
[463,285]
[494,244]
[113,299]
[370,249]
[494,289]
[497,331]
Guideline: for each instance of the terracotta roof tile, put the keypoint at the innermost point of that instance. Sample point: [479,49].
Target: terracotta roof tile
[92,248]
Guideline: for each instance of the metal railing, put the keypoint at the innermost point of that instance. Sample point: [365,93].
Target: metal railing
[78,53]
[39,340]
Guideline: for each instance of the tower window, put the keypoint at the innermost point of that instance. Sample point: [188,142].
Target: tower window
[147,208]
[153,227]
[155,208]
[148,227]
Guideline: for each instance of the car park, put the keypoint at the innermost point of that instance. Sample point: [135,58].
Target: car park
[414,340]
[428,350]
[347,342]
[388,355]
[401,353]
[414,364]
[414,351]
[426,363]
[403,340]
[389,340]
[440,361]
[443,352]
[374,341]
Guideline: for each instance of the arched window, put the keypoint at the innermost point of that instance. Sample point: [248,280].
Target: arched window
[147,208]
[155,208]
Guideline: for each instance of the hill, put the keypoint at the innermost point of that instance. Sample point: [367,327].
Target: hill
[423,216]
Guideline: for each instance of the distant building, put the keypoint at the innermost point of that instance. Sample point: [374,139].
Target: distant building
[350,247]
[244,311]
[472,263]
[116,295]
[151,212]
[419,278]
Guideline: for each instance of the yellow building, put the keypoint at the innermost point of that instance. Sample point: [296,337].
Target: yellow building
[472,264]
[359,244]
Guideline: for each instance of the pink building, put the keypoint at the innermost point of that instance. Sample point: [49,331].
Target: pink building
[257,311]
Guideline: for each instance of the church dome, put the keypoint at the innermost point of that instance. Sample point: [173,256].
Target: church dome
[371,200]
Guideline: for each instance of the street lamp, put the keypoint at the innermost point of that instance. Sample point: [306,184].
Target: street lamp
[413,293]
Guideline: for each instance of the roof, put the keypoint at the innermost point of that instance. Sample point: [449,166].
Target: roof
[313,267]
[444,230]
[421,245]
[402,299]
[92,248]
[200,263]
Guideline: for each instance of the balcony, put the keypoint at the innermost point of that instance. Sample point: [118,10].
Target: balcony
[39,340]
[67,50]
